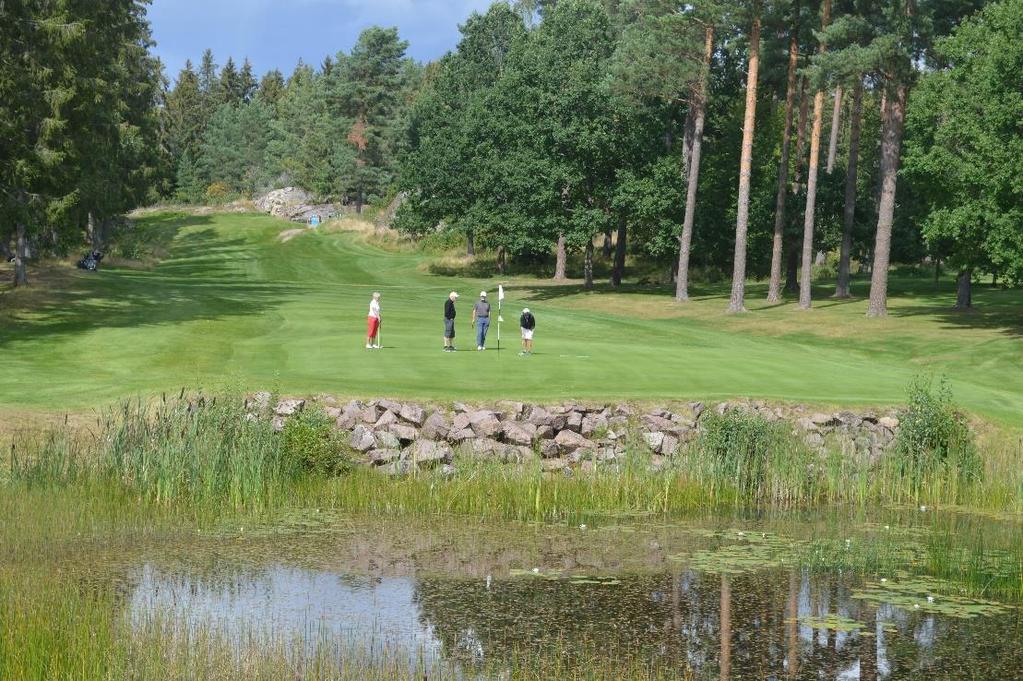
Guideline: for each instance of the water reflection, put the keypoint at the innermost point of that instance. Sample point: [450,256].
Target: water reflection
[765,625]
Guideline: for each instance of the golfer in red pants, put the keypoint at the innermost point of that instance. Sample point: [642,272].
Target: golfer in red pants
[373,323]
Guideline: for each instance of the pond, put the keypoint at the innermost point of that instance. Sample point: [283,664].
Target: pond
[718,597]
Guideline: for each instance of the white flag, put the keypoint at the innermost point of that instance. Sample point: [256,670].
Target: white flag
[500,292]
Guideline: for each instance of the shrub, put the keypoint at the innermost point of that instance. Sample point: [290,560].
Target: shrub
[309,437]
[218,192]
[934,436]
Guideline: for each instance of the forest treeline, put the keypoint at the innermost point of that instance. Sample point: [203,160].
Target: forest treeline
[729,139]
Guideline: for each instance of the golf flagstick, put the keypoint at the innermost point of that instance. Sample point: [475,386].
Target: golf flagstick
[500,300]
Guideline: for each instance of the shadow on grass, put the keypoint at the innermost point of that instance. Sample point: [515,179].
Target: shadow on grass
[200,281]
[909,297]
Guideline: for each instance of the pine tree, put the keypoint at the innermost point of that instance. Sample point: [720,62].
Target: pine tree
[737,301]
[229,87]
[813,171]
[247,85]
[366,88]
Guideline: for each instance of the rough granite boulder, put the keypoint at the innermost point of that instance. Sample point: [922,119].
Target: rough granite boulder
[361,439]
[387,440]
[380,457]
[511,410]
[435,427]
[412,413]
[569,441]
[404,432]
[289,407]
[519,433]
[427,453]
[889,422]
[669,445]
[485,424]
[348,419]
[517,454]
[549,449]
[461,421]
[593,423]
[484,447]
[539,416]
[654,440]
[259,402]
[460,436]
[386,419]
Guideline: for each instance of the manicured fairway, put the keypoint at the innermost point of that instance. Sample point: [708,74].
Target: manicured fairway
[232,306]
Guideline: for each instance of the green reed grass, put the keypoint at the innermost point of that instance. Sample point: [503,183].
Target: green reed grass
[206,454]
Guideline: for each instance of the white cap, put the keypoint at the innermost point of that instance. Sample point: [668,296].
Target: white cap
[483,294]
[453,294]
[525,310]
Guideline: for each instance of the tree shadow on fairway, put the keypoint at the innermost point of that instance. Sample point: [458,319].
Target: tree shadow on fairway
[994,310]
[203,279]
[756,293]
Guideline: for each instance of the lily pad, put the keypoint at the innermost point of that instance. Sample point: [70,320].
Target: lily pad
[832,621]
[930,595]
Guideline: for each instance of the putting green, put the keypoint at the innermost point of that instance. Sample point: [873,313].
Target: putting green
[233,306]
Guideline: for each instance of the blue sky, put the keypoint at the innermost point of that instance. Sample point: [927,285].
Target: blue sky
[276,33]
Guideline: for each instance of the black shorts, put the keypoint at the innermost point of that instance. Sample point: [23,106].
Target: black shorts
[449,328]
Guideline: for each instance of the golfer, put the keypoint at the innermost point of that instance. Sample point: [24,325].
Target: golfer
[481,320]
[449,322]
[527,323]
[373,323]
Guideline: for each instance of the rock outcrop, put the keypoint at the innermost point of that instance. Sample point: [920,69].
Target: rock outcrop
[297,205]
[398,437]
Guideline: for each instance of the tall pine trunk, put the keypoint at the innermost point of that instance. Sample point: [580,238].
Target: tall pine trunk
[804,117]
[21,257]
[852,169]
[836,120]
[809,215]
[693,180]
[618,270]
[891,147]
[588,265]
[561,259]
[774,288]
[502,260]
[737,300]
[964,290]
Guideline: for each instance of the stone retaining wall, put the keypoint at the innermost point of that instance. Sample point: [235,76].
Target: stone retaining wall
[396,436]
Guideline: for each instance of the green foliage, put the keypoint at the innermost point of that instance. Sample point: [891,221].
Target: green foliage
[964,148]
[311,438]
[934,437]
